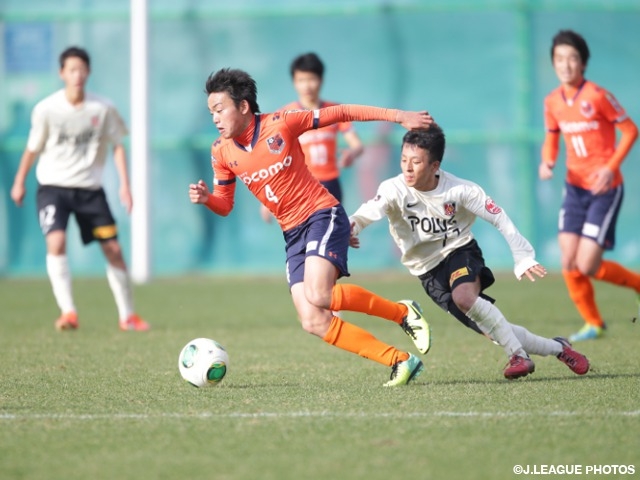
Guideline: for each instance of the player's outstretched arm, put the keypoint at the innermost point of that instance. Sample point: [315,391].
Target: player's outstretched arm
[302,121]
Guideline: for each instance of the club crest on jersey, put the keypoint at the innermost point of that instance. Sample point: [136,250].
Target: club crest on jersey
[95,121]
[586,109]
[449,209]
[492,207]
[275,143]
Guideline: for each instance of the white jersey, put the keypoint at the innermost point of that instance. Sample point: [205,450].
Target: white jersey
[428,226]
[73,140]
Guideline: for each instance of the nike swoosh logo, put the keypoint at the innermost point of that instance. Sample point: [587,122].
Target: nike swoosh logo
[411,205]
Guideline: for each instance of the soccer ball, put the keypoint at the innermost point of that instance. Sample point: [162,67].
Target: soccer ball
[203,362]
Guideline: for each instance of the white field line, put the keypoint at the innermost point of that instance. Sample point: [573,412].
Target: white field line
[305,414]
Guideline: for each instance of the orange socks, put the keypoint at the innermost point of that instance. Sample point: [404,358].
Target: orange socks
[357,299]
[581,292]
[354,339]
[615,273]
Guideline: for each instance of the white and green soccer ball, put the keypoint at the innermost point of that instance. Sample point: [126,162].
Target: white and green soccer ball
[203,362]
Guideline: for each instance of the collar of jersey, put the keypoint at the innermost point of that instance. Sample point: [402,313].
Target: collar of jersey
[575,95]
[255,124]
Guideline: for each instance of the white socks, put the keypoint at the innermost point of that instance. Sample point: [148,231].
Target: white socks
[60,278]
[121,288]
[492,323]
[535,344]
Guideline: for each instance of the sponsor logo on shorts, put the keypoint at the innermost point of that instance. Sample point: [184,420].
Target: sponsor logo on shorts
[492,207]
[276,143]
[461,272]
[105,232]
[449,209]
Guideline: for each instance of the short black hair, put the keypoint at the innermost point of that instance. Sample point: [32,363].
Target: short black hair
[309,62]
[432,140]
[573,39]
[237,83]
[77,52]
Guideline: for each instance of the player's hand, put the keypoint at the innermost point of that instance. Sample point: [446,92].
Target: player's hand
[199,192]
[17,193]
[125,198]
[601,181]
[354,241]
[537,270]
[265,214]
[545,172]
[348,156]
[414,120]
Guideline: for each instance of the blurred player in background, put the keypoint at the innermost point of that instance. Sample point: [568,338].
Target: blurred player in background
[71,131]
[430,214]
[587,116]
[263,152]
[320,146]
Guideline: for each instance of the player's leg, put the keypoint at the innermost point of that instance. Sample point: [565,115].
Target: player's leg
[468,277]
[571,224]
[328,241]
[97,223]
[601,220]
[314,262]
[320,321]
[53,215]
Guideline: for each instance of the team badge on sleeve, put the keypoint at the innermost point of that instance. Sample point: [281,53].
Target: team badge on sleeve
[492,207]
[276,143]
[450,209]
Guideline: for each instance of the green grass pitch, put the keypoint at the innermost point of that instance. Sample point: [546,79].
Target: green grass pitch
[99,403]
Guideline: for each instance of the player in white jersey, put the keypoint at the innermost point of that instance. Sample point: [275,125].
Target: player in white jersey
[430,214]
[71,131]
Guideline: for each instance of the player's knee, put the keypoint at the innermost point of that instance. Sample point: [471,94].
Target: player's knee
[463,299]
[315,325]
[587,268]
[317,297]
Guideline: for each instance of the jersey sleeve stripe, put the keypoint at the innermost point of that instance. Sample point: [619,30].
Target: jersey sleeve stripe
[224,182]
[316,118]
[553,130]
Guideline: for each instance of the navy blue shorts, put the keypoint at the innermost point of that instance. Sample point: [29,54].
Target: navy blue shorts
[324,234]
[591,216]
[334,188]
[56,204]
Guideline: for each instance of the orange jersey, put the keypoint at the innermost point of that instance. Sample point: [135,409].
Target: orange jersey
[272,164]
[320,147]
[587,122]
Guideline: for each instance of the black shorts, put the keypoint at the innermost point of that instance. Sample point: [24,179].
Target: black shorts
[56,204]
[463,265]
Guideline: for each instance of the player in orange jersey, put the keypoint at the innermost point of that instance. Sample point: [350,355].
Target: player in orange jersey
[587,116]
[320,146]
[263,152]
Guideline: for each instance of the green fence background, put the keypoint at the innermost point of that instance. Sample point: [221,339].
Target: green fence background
[482,69]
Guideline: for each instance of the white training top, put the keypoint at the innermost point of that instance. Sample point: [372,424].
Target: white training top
[73,140]
[428,226]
